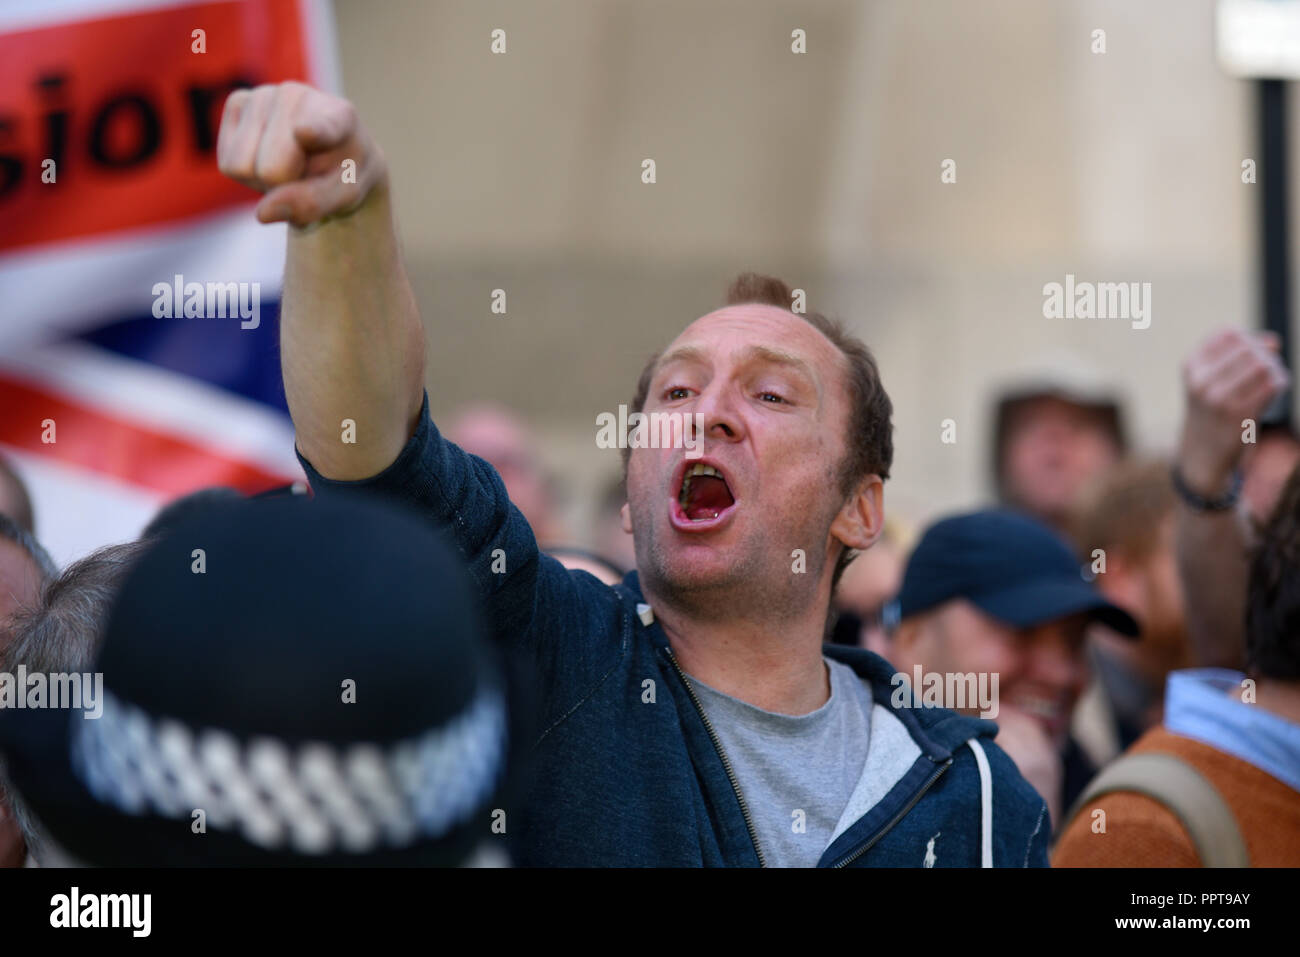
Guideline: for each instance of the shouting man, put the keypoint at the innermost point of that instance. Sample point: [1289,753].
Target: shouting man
[689,715]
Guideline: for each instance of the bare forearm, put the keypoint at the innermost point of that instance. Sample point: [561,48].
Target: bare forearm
[1229,379]
[352,347]
[1212,564]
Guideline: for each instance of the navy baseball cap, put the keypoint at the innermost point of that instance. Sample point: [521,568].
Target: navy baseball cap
[1010,566]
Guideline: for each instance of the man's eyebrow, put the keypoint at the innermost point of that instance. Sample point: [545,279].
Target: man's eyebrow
[694,354]
[761,353]
[776,356]
[682,354]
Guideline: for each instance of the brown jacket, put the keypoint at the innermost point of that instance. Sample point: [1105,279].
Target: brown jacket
[1140,832]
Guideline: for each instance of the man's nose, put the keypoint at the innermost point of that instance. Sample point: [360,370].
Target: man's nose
[716,412]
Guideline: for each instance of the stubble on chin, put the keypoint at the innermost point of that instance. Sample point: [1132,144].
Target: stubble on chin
[753,586]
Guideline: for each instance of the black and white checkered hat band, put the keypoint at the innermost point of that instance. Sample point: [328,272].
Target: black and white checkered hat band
[312,799]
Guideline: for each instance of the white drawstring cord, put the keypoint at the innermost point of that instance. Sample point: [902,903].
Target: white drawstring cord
[986,804]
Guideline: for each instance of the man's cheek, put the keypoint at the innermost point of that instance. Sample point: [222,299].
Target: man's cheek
[640,474]
[983,656]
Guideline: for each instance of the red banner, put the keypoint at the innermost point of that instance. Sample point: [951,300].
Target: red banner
[129,111]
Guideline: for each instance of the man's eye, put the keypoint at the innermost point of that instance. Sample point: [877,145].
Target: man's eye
[679,392]
[770,397]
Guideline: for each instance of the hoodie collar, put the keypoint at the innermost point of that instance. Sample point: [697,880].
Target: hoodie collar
[937,731]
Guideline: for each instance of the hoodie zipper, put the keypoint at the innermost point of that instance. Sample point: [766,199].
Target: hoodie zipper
[726,765]
[875,838]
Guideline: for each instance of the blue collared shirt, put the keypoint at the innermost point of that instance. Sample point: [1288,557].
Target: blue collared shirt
[1198,705]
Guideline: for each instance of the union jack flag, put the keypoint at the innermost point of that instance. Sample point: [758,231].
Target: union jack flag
[109,192]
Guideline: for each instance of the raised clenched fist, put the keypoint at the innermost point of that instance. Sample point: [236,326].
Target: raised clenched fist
[1232,376]
[306,150]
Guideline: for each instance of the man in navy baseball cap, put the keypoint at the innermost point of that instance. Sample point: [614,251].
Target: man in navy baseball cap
[998,595]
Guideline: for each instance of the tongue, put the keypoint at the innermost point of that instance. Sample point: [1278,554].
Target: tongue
[707,496]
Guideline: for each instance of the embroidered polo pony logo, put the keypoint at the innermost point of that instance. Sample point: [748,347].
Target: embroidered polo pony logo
[929,851]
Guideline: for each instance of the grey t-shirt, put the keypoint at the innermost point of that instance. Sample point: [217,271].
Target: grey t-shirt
[796,772]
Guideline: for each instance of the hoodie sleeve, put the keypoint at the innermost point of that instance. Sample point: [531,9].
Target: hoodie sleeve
[1036,848]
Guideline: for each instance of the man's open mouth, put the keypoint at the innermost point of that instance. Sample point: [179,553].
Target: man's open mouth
[703,496]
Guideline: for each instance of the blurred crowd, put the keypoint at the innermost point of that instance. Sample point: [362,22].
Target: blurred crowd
[1141,614]
[1197,549]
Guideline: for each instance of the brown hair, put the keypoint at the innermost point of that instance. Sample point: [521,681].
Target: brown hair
[1273,591]
[1124,509]
[870,438]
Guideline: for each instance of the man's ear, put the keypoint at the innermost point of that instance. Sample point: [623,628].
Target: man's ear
[862,518]
[625,514]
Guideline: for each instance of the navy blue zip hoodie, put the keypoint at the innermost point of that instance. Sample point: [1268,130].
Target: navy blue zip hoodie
[626,770]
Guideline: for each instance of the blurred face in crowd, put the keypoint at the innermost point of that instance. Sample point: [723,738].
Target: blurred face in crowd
[1266,467]
[1041,670]
[1150,589]
[868,583]
[1053,447]
[20,584]
[497,437]
[12,502]
[20,579]
[772,391]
